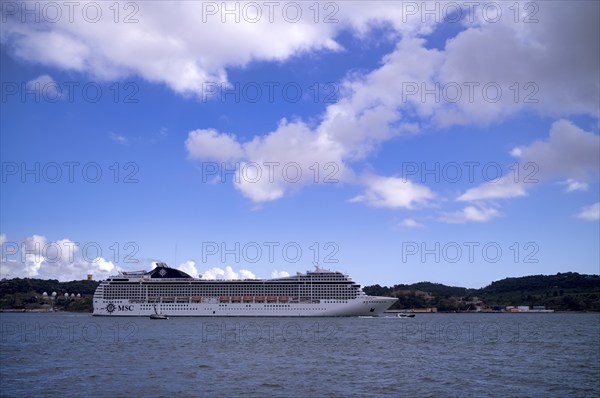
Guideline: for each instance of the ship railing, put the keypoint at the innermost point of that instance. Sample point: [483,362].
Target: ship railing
[159,280]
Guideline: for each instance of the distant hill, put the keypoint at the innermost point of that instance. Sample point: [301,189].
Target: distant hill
[563,292]
[27,294]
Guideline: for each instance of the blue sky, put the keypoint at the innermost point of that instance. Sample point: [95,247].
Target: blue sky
[445,146]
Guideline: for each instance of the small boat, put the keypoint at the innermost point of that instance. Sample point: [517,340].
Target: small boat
[156,315]
[404,315]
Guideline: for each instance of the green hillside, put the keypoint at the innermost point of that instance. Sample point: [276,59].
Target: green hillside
[562,292]
[27,294]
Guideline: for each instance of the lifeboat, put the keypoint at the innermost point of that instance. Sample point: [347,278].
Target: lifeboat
[271,298]
[284,298]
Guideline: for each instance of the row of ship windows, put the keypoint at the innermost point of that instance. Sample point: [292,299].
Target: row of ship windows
[315,297]
[268,305]
[186,306]
[181,307]
[295,308]
[218,291]
[164,307]
[220,284]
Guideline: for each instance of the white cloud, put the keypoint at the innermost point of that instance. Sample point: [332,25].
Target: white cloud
[410,223]
[168,45]
[184,46]
[180,45]
[569,152]
[46,87]
[227,273]
[525,62]
[268,166]
[104,265]
[393,192]
[120,139]
[279,274]
[377,106]
[36,257]
[561,64]
[211,145]
[574,185]
[590,213]
[504,187]
[246,274]
[470,214]
[189,267]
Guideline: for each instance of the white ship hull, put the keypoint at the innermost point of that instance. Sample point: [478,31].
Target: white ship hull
[357,307]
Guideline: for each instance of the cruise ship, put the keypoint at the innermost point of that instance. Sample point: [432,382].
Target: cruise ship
[174,293]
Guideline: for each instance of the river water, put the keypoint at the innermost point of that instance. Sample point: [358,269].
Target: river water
[431,355]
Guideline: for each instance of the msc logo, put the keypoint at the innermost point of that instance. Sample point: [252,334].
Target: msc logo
[110,308]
